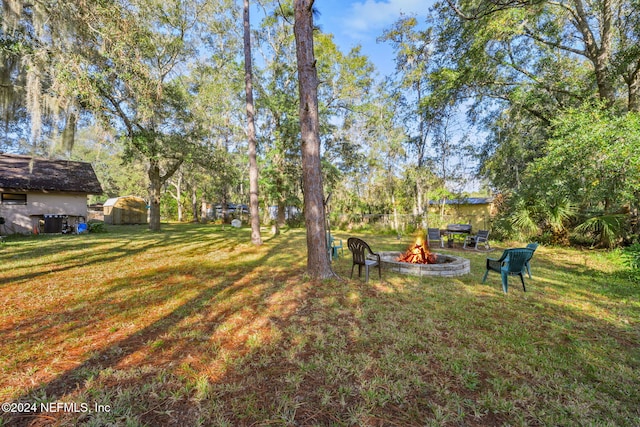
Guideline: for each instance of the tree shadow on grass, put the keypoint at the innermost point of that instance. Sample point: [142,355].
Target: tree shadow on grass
[179,293]
[259,346]
[63,253]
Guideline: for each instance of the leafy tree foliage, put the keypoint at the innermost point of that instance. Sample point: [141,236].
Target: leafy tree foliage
[122,62]
[530,73]
[219,164]
[413,54]
[278,103]
[593,158]
[136,84]
[37,42]
[524,61]
[345,81]
[589,175]
[117,176]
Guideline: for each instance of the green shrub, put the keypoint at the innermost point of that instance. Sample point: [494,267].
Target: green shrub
[631,256]
[606,230]
[96,227]
[502,229]
[295,221]
[582,240]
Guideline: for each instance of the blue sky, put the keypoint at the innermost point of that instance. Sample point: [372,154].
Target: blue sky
[354,22]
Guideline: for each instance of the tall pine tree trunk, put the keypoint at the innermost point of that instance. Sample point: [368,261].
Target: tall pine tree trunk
[194,204]
[396,223]
[281,216]
[633,84]
[318,265]
[178,196]
[155,194]
[256,238]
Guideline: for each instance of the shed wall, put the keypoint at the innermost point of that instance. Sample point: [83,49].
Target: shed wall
[478,215]
[23,218]
[126,210]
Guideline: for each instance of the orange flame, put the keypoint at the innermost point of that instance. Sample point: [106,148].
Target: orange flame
[418,253]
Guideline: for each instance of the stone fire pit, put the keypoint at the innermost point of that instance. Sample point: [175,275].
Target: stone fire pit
[447,265]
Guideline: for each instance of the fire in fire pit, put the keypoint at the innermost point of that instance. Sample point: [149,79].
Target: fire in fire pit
[419,253]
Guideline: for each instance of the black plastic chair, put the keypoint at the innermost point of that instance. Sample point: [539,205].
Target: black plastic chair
[359,249]
[511,263]
[433,235]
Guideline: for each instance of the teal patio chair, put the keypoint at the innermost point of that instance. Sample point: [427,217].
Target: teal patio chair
[533,247]
[334,246]
[511,263]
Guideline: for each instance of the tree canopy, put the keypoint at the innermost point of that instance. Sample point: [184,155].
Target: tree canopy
[542,96]
[549,81]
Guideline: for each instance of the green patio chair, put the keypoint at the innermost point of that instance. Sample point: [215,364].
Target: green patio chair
[533,247]
[511,263]
[334,246]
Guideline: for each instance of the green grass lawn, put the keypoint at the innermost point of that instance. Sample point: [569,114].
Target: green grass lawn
[195,326]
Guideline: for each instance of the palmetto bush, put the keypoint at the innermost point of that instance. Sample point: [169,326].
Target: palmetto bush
[605,230]
[534,218]
[631,257]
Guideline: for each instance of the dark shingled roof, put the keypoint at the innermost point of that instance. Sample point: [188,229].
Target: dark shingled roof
[23,173]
